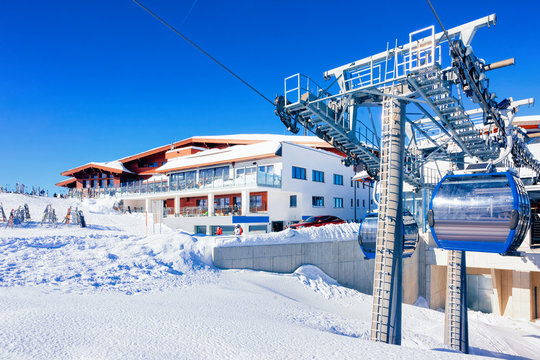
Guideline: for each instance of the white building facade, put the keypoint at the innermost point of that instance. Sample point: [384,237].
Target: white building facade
[264,187]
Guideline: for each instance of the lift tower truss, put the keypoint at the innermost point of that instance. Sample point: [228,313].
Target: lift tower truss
[435,73]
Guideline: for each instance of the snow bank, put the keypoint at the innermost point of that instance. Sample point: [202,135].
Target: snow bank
[111,253]
[63,294]
[341,232]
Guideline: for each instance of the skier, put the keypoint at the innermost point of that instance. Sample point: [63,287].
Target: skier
[238,230]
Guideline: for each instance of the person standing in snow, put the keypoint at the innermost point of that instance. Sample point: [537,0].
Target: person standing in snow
[238,230]
[219,231]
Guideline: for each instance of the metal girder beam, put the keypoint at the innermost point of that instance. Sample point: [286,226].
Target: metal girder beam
[367,91]
[467,32]
[419,129]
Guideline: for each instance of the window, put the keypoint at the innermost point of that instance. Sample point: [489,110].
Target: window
[357,202]
[292,201]
[237,201]
[298,173]
[338,202]
[364,203]
[202,203]
[338,179]
[184,176]
[317,176]
[200,229]
[352,183]
[261,229]
[153,164]
[352,202]
[317,201]
[256,203]
[206,176]
[358,184]
[269,169]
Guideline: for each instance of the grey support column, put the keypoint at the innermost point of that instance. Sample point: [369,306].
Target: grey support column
[456,330]
[387,292]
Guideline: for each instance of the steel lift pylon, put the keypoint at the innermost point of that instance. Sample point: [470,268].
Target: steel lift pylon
[413,74]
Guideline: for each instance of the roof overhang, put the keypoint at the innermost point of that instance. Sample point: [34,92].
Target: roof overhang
[72,172]
[66,182]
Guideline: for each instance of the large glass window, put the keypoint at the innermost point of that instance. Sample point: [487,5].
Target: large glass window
[269,169]
[186,175]
[208,175]
[317,201]
[338,179]
[317,176]
[338,202]
[298,173]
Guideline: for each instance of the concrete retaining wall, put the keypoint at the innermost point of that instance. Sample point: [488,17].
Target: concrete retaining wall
[342,260]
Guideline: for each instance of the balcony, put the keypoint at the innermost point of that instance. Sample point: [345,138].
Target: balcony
[142,187]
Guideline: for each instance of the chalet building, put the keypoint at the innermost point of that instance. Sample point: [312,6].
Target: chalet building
[263,182]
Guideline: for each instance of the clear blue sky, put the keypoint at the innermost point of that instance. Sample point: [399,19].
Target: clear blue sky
[85,81]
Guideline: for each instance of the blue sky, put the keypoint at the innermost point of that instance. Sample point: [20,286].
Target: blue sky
[85,81]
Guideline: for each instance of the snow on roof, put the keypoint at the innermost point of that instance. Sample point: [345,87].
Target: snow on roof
[157,177]
[107,166]
[116,164]
[266,137]
[184,148]
[220,156]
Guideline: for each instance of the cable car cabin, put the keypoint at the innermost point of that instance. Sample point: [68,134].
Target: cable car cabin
[488,212]
[367,234]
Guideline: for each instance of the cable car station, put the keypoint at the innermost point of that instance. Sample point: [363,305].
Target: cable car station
[446,140]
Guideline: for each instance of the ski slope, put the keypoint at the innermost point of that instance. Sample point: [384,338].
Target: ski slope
[109,291]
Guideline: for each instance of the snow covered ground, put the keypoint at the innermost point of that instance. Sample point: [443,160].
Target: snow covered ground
[109,291]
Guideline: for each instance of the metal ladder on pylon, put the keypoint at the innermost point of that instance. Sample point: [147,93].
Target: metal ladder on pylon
[386,314]
[456,324]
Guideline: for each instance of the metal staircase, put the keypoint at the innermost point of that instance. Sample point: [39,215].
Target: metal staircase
[328,120]
[436,90]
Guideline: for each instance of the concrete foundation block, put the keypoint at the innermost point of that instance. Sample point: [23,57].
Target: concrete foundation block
[311,253]
[221,263]
[282,264]
[346,273]
[243,263]
[349,251]
[262,263]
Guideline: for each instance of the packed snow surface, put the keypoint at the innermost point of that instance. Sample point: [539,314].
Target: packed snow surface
[110,291]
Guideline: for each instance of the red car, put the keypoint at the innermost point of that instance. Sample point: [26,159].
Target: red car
[318,221]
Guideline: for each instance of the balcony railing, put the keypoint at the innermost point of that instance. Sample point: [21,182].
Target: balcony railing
[227,210]
[155,187]
[191,211]
[257,208]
